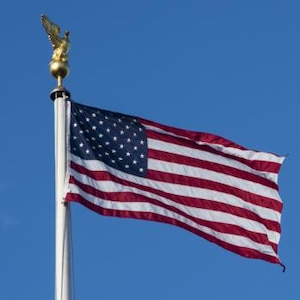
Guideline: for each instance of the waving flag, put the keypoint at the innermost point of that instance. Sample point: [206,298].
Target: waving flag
[125,166]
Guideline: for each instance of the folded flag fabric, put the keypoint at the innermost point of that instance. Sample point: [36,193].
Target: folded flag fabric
[125,166]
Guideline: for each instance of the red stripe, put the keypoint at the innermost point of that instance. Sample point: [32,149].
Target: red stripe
[246,252]
[263,166]
[185,200]
[212,166]
[194,135]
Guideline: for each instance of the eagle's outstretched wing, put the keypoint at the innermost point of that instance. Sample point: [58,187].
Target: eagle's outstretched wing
[52,30]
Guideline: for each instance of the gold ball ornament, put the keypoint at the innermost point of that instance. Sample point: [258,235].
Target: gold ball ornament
[59,69]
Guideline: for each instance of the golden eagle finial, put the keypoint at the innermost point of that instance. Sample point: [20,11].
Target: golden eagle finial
[61,46]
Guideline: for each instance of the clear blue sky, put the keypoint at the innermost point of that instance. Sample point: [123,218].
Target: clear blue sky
[227,67]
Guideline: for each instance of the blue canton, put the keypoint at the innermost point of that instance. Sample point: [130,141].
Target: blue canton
[117,140]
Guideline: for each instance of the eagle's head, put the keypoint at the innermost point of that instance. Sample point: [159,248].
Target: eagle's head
[67,33]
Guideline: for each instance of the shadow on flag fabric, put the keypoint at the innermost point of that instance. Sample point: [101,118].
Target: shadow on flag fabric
[125,166]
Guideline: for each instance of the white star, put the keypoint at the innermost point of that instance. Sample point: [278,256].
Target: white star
[81,145]
[87,119]
[127,153]
[141,170]
[134,162]
[121,146]
[75,125]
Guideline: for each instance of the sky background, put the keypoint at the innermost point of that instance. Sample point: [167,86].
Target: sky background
[226,67]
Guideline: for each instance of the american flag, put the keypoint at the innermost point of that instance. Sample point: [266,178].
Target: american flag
[125,166]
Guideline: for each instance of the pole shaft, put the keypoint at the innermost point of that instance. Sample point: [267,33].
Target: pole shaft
[62,209]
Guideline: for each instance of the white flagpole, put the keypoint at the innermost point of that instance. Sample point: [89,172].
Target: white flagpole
[59,68]
[63,286]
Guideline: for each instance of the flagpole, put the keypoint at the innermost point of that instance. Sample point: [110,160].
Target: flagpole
[60,96]
[59,68]
[63,278]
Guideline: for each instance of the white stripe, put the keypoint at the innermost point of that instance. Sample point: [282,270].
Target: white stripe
[181,190]
[229,180]
[235,240]
[206,156]
[247,154]
[200,213]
